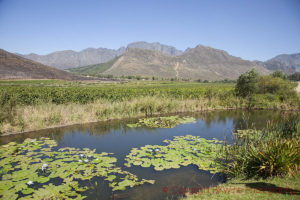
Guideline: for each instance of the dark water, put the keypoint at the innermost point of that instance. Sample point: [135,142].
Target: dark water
[115,137]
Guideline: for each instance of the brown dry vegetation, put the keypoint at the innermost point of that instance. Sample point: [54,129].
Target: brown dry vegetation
[47,115]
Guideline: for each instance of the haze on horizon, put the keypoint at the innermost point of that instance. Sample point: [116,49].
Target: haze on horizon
[254,30]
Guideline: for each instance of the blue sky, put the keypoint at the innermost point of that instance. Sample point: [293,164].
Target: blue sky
[253,29]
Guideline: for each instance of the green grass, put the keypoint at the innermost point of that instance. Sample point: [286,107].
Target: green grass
[276,188]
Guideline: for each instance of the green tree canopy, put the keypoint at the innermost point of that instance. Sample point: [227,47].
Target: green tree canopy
[247,83]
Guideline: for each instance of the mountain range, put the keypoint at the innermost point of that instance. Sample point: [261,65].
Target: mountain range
[155,59]
[72,59]
[200,62]
[13,66]
[288,63]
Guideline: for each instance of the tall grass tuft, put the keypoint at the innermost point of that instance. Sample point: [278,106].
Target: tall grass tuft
[274,151]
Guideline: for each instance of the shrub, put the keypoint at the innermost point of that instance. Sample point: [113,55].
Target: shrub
[279,74]
[270,84]
[247,84]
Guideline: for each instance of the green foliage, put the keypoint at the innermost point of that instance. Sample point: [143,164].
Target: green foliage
[273,85]
[295,76]
[247,84]
[35,169]
[163,122]
[279,74]
[7,108]
[265,153]
[277,157]
[182,151]
[274,88]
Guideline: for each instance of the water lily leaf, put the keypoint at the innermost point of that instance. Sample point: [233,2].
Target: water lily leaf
[126,183]
[36,164]
[115,188]
[28,191]
[181,151]
[162,122]
[110,177]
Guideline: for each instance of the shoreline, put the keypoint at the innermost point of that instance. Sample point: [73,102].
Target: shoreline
[139,116]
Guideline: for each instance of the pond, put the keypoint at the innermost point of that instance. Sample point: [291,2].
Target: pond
[117,138]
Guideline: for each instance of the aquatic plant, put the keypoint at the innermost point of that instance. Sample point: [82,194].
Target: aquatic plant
[163,122]
[262,153]
[34,169]
[182,151]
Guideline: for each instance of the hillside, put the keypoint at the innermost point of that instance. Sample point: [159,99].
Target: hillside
[288,63]
[15,67]
[201,62]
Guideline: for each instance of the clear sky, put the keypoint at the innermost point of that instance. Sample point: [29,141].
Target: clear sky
[251,29]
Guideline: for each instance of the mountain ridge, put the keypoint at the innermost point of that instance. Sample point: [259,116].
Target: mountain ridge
[72,59]
[200,62]
[288,63]
[16,67]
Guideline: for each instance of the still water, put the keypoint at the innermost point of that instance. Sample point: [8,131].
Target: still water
[115,137]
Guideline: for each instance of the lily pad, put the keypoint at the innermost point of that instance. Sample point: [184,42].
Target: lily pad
[32,167]
[181,151]
[162,122]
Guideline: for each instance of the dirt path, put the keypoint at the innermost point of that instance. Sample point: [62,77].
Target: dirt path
[298,87]
[176,69]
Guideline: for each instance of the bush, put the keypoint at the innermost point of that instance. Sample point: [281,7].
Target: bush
[270,84]
[247,84]
[279,74]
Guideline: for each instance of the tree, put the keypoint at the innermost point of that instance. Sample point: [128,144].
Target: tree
[246,84]
[295,76]
[279,74]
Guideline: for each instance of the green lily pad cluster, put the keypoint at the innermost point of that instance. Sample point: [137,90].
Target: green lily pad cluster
[182,151]
[163,122]
[35,170]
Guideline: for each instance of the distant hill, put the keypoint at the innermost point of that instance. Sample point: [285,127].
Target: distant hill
[90,56]
[288,63]
[71,59]
[15,67]
[201,62]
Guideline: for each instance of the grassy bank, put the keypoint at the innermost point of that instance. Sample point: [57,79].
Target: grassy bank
[46,115]
[271,189]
